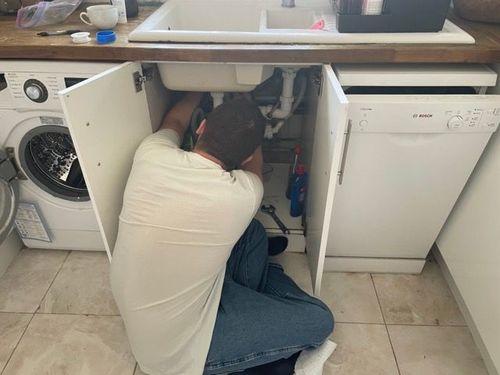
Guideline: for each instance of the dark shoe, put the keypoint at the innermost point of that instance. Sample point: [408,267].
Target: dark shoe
[276,245]
[282,367]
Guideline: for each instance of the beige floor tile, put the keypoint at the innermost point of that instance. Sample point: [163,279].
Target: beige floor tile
[138,371]
[73,345]
[27,279]
[351,297]
[295,266]
[362,349]
[12,326]
[82,286]
[436,351]
[418,299]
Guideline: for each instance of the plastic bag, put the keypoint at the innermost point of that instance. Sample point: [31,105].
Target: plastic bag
[46,13]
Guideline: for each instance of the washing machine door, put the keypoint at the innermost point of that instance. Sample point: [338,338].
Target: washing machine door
[48,158]
[8,195]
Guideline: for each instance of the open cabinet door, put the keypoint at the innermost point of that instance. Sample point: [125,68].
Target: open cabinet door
[108,117]
[329,136]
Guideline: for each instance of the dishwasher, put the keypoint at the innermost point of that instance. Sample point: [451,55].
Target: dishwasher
[414,135]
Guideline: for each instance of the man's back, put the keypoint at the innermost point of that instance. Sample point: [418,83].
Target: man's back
[182,214]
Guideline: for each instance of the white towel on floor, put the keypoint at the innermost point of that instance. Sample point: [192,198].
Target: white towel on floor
[311,361]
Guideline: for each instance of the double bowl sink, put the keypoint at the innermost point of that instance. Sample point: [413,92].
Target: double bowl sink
[236,21]
[254,22]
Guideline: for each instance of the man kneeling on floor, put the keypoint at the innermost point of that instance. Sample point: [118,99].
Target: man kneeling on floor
[190,270]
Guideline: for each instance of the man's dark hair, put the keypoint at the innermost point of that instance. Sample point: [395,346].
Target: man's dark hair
[233,132]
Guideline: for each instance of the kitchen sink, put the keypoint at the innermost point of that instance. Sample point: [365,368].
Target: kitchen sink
[254,22]
[266,22]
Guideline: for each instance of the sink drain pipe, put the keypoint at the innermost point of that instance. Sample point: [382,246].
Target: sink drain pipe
[218,98]
[287,104]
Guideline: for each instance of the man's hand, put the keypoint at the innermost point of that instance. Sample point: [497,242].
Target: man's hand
[178,117]
[255,164]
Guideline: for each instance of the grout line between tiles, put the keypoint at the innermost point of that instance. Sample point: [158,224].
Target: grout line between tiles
[52,282]
[426,325]
[72,313]
[17,343]
[385,324]
[55,313]
[17,312]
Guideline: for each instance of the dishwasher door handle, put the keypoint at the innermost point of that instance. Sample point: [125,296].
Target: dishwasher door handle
[347,136]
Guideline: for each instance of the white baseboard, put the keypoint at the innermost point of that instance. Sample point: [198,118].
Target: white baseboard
[373,265]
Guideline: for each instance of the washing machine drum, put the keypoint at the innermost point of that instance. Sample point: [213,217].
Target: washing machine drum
[48,157]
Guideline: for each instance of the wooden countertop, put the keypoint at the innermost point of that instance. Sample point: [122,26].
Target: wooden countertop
[25,44]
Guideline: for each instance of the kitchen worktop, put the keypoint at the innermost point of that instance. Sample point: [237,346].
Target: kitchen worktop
[24,44]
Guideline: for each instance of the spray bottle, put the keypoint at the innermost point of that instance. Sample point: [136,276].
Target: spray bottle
[298,191]
[297,150]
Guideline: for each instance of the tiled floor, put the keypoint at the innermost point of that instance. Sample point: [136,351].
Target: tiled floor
[57,317]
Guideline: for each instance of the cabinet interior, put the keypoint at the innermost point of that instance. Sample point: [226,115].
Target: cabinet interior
[278,152]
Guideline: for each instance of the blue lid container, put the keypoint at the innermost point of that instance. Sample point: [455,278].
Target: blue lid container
[105,36]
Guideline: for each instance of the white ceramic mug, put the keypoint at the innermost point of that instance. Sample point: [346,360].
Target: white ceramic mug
[101,16]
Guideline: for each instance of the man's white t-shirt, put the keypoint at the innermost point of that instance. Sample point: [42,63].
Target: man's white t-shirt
[181,216]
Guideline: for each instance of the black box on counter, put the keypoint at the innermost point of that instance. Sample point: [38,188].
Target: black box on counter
[397,16]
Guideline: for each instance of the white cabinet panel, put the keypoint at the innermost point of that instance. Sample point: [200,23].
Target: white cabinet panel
[470,246]
[329,135]
[107,119]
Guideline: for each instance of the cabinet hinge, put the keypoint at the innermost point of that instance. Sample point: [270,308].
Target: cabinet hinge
[141,79]
[317,80]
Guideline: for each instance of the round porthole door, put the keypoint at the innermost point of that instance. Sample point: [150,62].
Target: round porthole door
[48,157]
[8,195]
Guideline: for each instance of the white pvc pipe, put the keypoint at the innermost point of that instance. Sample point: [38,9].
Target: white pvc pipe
[286,99]
[218,98]
[271,131]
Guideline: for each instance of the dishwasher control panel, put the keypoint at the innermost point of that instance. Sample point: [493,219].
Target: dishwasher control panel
[470,119]
[425,116]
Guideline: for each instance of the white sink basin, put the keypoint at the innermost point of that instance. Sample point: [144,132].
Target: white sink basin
[291,19]
[207,17]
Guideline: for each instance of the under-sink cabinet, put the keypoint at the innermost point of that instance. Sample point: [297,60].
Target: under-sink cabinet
[111,113]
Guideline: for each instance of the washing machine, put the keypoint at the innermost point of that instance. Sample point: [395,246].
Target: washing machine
[53,208]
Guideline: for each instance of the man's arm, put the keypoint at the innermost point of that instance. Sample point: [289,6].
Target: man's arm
[178,117]
[255,164]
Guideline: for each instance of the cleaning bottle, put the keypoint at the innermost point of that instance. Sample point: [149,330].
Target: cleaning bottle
[298,191]
[297,150]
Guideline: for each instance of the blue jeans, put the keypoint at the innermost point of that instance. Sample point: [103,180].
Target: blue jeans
[263,315]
